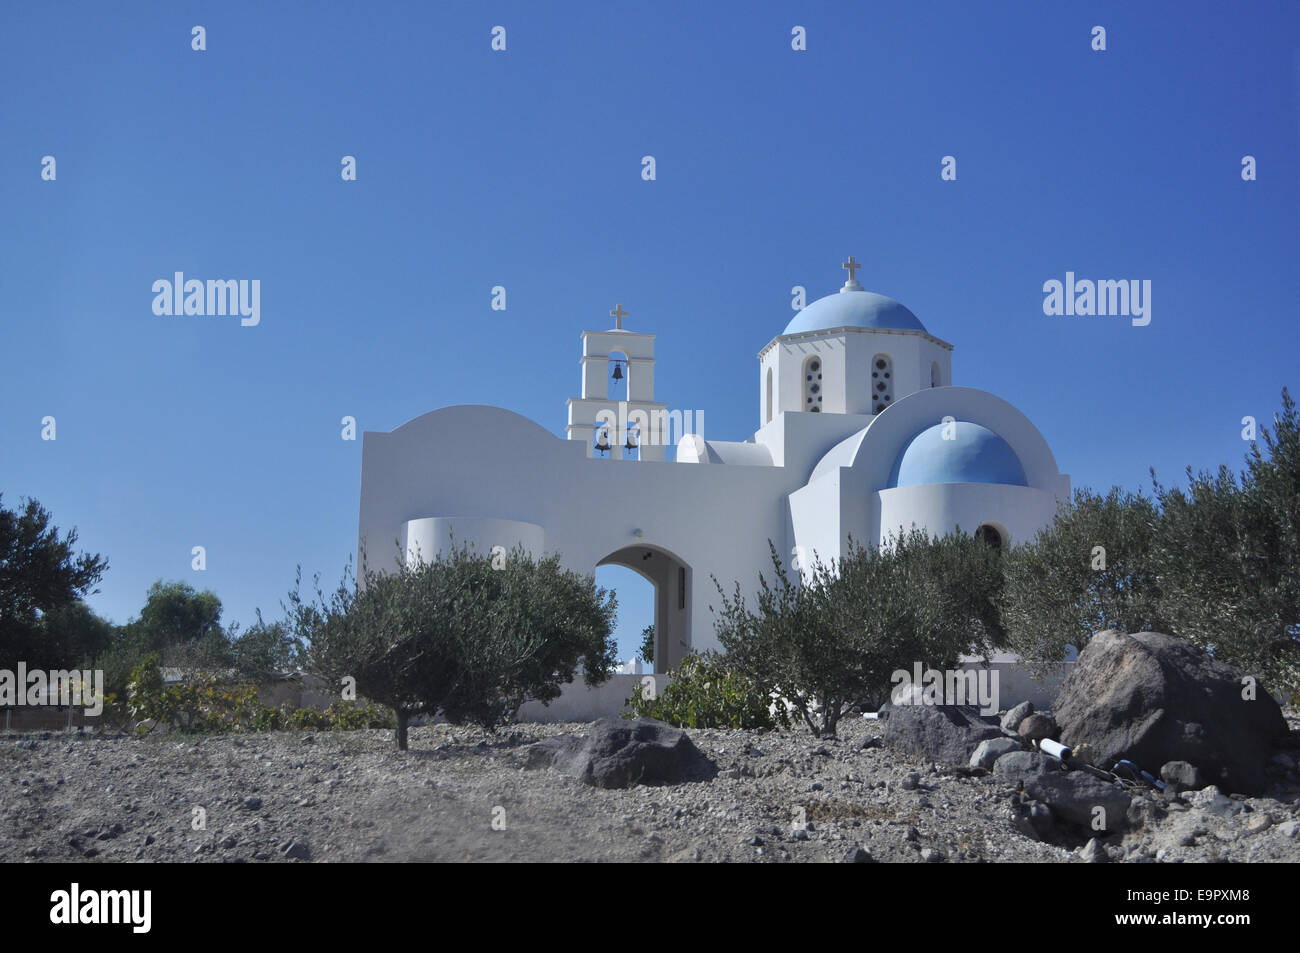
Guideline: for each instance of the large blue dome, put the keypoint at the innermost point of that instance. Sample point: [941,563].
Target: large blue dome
[853,309]
[975,454]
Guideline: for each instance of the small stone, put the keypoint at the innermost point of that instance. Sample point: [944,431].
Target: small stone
[1093,853]
[1037,727]
[816,786]
[1012,719]
[1289,829]
[1258,822]
[912,782]
[932,856]
[253,803]
[228,842]
[1085,753]
[296,850]
[799,834]
[858,855]
[756,841]
[988,752]
[1182,776]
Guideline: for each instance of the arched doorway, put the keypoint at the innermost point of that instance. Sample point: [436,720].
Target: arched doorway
[992,535]
[671,578]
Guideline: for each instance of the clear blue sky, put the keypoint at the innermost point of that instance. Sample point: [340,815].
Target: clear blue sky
[523,169]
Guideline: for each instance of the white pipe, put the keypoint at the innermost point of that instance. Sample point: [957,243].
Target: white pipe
[1054,748]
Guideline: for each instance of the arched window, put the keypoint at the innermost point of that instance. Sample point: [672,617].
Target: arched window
[935,378]
[812,384]
[882,382]
[768,418]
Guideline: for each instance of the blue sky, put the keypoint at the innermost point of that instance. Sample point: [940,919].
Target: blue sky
[523,169]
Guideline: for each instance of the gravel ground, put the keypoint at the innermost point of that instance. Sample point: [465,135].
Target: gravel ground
[459,794]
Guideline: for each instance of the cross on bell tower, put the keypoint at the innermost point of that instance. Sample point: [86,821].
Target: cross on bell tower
[618,314]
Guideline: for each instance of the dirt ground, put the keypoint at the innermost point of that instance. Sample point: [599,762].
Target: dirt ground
[459,794]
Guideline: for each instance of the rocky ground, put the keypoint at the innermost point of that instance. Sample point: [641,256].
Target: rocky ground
[459,794]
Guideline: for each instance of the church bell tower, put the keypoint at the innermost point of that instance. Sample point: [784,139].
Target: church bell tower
[617,416]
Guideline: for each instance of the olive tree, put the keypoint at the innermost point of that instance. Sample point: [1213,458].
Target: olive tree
[456,636]
[834,638]
[1089,570]
[1228,554]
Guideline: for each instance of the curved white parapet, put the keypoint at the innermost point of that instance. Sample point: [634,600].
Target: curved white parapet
[424,539]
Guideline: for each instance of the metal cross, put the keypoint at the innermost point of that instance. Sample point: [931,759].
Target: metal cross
[851,266]
[618,314]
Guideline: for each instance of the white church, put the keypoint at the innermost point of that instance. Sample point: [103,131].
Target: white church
[861,433]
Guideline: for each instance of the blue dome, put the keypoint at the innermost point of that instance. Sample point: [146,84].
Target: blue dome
[853,309]
[974,455]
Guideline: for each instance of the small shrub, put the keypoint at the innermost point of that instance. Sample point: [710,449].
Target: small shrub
[204,707]
[705,693]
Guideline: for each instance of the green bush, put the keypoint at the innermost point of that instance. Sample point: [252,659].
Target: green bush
[207,707]
[705,693]
[834,639]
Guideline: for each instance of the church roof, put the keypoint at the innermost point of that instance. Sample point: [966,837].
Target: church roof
[853,307]
[970,454]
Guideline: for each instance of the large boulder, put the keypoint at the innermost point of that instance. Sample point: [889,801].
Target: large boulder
[615,753]
[1152,698]
[947,734]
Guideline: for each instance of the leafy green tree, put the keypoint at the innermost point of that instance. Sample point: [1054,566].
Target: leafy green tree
[40,575]
[264,649]
[76,634]
[1228,555]
[458,637]
[648,645]
[1091,569]
[834,640]
[174,614]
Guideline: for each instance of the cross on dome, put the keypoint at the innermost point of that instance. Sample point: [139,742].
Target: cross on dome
[618,314]
[851,266]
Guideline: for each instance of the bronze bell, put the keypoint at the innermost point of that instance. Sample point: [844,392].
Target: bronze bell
[629,446]
[618,372]
[602,442]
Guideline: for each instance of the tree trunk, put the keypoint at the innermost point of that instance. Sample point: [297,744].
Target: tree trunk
[402,718]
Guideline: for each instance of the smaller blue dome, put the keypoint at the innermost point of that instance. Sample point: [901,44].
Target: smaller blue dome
[974,454]
[853,309]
